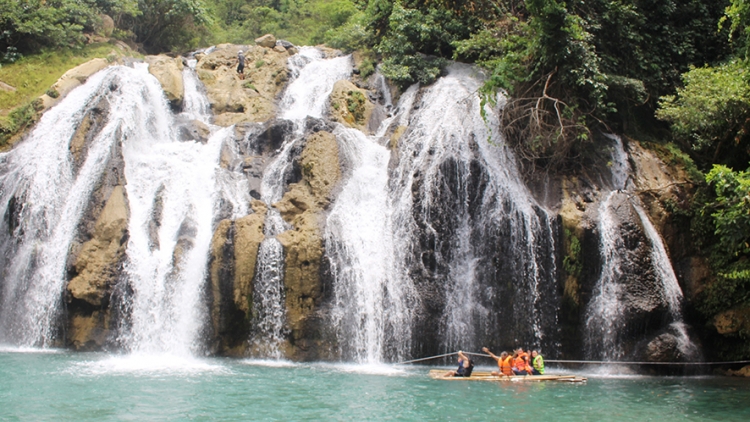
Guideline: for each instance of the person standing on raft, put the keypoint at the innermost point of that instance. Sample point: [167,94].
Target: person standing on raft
[538,363]
[465,367]
[503,363]
[241,64]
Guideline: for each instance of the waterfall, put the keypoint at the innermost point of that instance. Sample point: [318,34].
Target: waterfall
[608,319]
[416,245]
[166,268]
[195,103]
[306,96]
[457,191]
[49,194]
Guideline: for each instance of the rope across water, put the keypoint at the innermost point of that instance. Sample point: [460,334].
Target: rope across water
[588,362]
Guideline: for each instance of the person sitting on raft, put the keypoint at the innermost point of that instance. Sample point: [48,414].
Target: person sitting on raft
[465,367]
[538,363]
[503,363]
[521,363]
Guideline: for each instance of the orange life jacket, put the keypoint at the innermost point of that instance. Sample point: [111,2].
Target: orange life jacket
[519,364]
[506,366]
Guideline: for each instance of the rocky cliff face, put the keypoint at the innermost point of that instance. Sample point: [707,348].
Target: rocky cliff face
[251,105]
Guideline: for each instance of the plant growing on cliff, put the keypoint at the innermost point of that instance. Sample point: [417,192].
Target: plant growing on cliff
[722,230]
[709,115]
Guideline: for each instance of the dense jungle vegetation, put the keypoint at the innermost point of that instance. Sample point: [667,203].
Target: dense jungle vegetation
[673,72]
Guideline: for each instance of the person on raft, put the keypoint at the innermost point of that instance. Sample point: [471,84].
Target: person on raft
[504,363]
[537,362]
[465,367]
[241,64]
[521,363]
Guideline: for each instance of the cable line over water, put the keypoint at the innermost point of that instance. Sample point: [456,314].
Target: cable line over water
[588,362]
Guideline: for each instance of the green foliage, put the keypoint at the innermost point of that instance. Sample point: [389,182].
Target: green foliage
[355,103]
[17,120]
[28,25]
[164,25]
[710,114]
[738,14]
[572,261]
[722,229]
[301,22]
[417,41]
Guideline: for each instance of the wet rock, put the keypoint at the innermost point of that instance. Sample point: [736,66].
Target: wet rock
[195,130]
[168,71]
[351,106]
[234,250]
[303,206]
[284,43]
[663,348]
[743,372]
[98,263]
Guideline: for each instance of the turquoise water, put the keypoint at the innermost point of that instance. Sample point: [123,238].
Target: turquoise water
[65,386]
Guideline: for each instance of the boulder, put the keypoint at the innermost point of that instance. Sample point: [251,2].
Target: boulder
[5,87]
[195,130]
[267,41]
[107,25]
[351,106]
[168,71]
[72,79]
[663,348]
[743,372]
[732,321]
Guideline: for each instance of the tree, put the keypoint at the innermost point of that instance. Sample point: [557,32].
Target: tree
[710,114]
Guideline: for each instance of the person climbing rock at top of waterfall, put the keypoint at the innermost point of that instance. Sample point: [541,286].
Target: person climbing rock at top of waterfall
[241,64]
[538,363]
[503,363]
[465,367]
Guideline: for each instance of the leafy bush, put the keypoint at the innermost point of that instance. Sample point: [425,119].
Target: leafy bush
[710,114]
[418,41]
[722,230]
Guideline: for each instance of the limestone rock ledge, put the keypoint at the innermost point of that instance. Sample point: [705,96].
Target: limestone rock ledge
[252,99]
[303,206]
[97,267]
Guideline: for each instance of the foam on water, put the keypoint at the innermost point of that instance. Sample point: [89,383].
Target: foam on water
[147,365]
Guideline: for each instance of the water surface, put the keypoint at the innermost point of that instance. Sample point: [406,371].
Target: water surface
[66,386]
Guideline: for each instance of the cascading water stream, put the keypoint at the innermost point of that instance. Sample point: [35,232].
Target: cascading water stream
[166,267]
[448,174]
[468,197]
[45,195]
[306,96]
[606,317]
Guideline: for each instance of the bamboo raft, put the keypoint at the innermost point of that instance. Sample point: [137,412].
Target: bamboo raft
[486,376]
